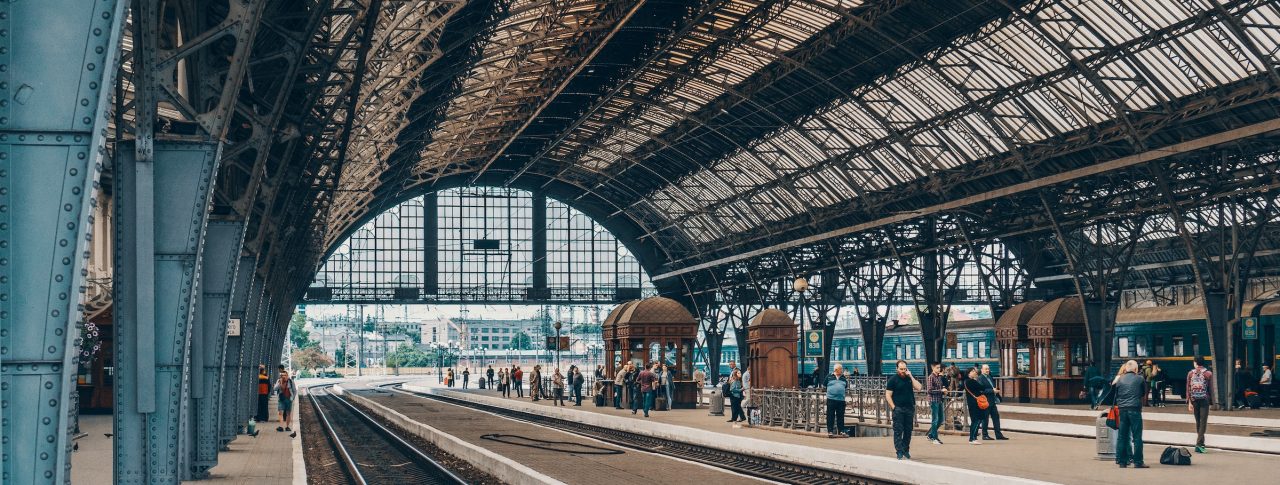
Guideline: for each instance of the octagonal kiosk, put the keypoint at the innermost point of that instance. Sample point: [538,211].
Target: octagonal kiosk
[651,330]
[1016,362]
[771,338]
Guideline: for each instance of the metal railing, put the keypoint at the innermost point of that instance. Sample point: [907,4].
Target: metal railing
[806,409]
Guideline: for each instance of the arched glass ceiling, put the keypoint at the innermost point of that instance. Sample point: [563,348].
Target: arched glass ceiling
[480,244]
[1050,69]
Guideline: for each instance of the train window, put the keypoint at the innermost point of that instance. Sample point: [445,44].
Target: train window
[969,350]
[897,351]
[1195,344]
[1122,347]
[1178,349]
[1157,348]
[1140,346]
[982,350]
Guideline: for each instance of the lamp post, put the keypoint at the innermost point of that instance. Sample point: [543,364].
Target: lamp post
[557,326]
[801,286]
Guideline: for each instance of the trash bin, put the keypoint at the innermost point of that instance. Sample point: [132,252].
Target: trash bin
[1106,440]
[717,402]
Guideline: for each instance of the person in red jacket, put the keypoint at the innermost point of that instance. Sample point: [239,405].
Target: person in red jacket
[264,394]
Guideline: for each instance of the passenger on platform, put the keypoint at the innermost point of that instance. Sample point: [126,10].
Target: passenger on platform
[576,380]
[747,402]
[648,381]
[700,378]
[1095,385]
[1130,392]
[448,378]
[285,390]
[1244,382]
[935,388]
[1199,398]
[1265,388]
[735,397]
[557,388]
[619,386]
[664,380]
[489,375]
[1159,379]
[733,367]
[633,387]
[466,376]
[977,415]
[535,382]
[855,372]
[517,380]
[599,372]
[993,401]
[264,394]
[504,383]
[837,388]
[815,379]
[899,391]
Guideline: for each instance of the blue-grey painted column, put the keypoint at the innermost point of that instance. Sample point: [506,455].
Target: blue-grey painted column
[233,364]
[160,224]
[57,65]
[220,262]
[252,329]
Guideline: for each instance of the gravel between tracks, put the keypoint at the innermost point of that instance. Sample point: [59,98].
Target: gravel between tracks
[458,466]
[323,466]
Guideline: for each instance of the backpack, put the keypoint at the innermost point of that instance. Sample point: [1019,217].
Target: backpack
[519,374]
[285,391]
[1175,456]
[1198,388]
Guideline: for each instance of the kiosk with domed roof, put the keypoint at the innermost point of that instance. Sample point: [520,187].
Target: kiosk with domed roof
[654,329]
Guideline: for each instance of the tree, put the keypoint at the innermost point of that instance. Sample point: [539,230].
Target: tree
[311,358]
[409,356]
[299,336]
[521,341]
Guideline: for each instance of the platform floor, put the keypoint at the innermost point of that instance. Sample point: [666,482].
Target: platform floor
[270,459]
[562,456]
[1032,456]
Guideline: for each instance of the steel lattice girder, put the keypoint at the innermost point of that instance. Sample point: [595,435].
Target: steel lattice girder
[53,107]
[220,261]
[163,211]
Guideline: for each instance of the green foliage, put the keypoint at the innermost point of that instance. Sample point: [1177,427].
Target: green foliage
[299,336]
[311,358]
[409,356]
[521,341]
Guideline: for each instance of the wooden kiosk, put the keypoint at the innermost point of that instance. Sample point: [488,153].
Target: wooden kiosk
[1059,351]
[772,341]
[652,330]
[1016,364]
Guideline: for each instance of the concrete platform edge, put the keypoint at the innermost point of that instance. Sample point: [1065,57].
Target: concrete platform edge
[878,467]
[299,463]
[499,466]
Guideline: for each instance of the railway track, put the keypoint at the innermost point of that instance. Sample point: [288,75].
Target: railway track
[759,467]
[370,453]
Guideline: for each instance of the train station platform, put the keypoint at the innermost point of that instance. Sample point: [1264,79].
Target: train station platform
[271,458]
[519,452]
[1028,457]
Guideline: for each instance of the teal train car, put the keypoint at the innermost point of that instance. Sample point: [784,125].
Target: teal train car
[974,345]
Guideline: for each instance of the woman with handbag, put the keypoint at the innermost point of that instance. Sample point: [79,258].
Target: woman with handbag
[735,397]
[977,402]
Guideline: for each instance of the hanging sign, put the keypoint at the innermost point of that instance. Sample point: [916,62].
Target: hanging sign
[233,327]
[813,343]
[1251,328]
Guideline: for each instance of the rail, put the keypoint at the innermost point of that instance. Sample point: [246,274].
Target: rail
[407,462]
[806,409]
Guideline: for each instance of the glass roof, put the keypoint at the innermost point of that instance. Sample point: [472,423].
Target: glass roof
[1050,69]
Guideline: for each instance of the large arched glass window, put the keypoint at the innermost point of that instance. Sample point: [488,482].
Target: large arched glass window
[484,244]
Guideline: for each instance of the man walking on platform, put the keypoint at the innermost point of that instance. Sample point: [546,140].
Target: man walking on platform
[1199,398]
[837,386]
[264,394]
[619,386]
[934,389]
[900,393]
[489,374]
[517,380]
[285,390]
[993,399]
[648,381]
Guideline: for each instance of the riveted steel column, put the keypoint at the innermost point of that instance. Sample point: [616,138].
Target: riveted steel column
[163,210]
[221,257]
[233,362]
[57,61]
[251,329]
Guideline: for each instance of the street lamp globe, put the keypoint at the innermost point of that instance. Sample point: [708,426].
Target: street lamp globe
[801,285]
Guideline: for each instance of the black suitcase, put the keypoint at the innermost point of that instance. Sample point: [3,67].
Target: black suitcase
[1253,400]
